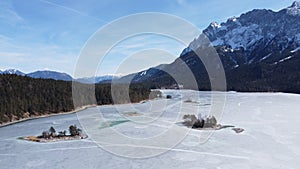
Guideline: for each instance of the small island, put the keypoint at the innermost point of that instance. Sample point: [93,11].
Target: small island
[206,123]
[51,135]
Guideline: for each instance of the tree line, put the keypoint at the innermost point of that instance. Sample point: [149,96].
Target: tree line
[23,97]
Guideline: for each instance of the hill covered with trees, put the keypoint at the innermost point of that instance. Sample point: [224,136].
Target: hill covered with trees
[24,97]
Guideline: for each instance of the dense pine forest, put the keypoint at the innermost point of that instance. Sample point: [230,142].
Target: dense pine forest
[23,97]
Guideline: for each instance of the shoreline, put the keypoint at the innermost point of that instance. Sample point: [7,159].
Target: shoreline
[47,115]
[57,114]
[94,105]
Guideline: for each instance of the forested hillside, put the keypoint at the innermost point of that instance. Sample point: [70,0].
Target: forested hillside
[23,97]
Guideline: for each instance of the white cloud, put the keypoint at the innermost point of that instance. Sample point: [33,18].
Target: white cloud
[72,10]
[143,60]
[181,2]
[30,57]
[8,14]
[142,42]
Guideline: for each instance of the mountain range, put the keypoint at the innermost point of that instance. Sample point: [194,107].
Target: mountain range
[97,79]
[259,50]
[47,74]
[12,71]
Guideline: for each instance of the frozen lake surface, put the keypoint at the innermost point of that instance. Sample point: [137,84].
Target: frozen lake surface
[148,135]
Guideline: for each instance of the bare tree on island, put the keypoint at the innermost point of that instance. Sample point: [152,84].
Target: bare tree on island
[193,121]
[52,131]
[45,134]
[74,131]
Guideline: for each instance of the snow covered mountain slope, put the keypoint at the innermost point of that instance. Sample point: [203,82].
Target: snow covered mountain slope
[259,51]
[255,33]
[12,71]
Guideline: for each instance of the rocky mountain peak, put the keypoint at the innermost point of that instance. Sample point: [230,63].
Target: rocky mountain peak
[256,30]
[295,4]
[294,9]
[215,25]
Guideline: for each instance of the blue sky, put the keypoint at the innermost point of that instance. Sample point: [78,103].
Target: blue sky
[49,34]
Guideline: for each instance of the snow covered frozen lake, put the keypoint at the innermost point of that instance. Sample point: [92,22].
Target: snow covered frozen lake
[147,135]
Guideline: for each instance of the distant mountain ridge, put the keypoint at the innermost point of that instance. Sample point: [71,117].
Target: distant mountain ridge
[47,74]
[12,71]
[259,51]
[98,79]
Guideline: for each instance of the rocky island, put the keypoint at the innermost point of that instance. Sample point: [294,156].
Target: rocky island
[51,135]
[206,123]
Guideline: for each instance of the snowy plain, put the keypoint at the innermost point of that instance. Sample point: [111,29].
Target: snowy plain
[270,140]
